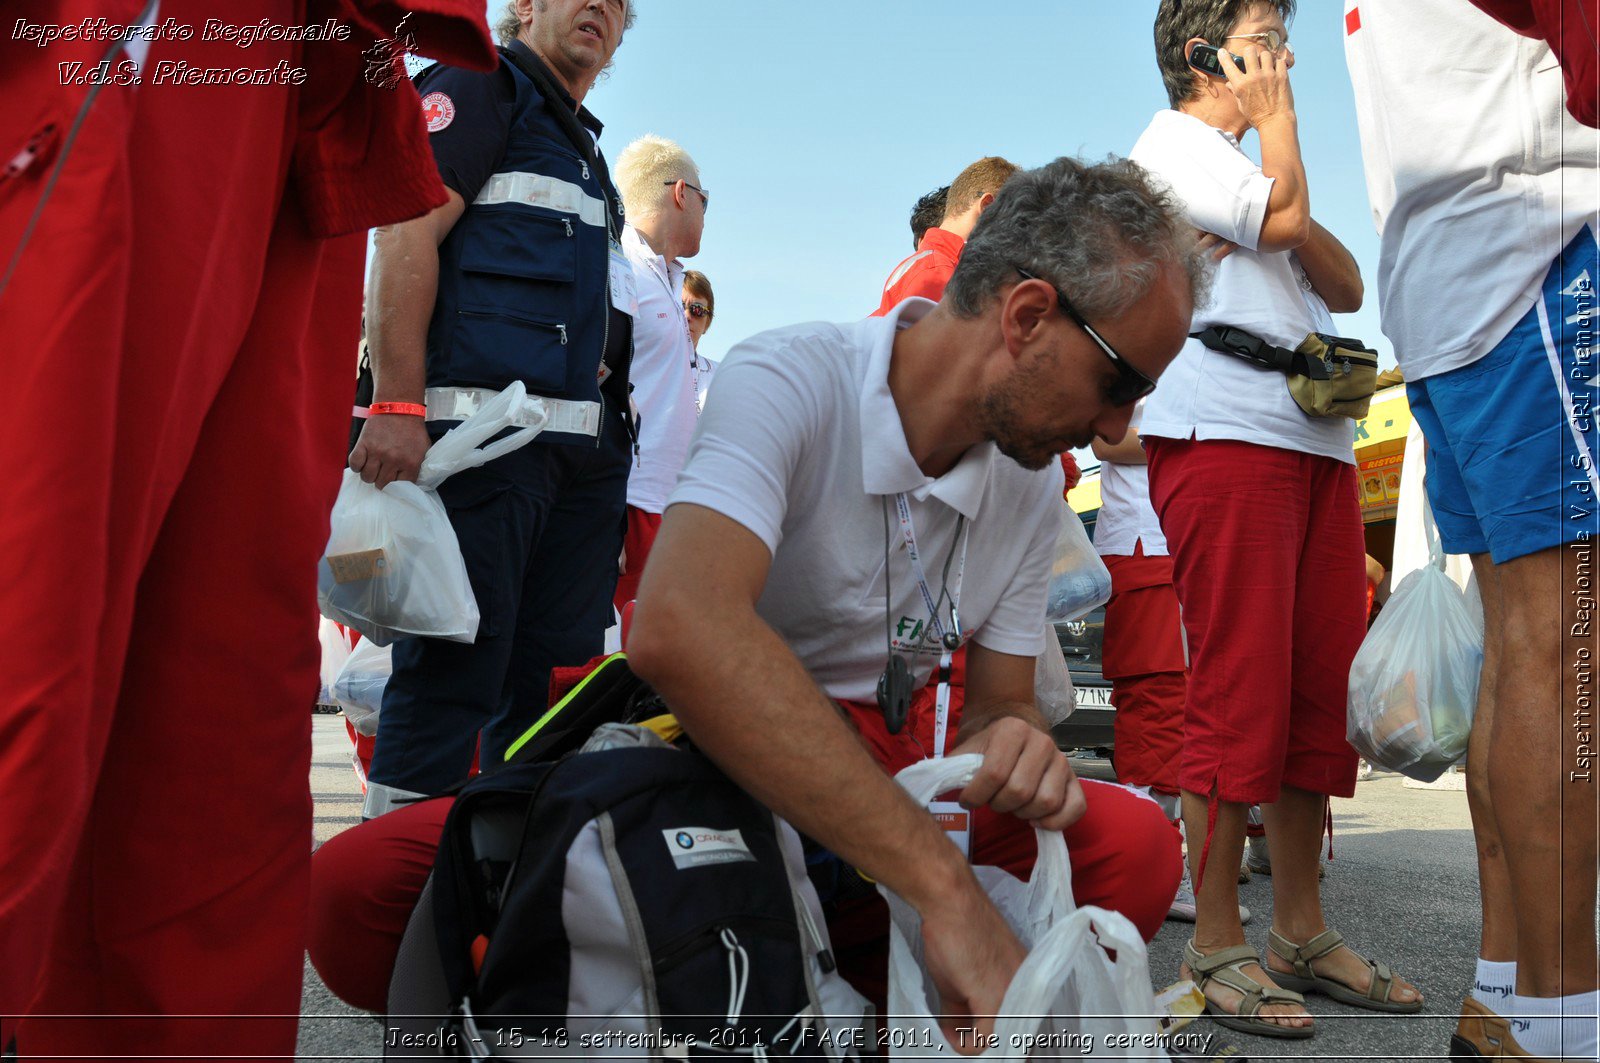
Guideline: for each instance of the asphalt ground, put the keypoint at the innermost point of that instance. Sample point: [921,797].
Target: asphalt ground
[1402,888]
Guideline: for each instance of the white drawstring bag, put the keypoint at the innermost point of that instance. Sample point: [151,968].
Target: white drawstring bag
[392,568]
[1414,682]
[1079,580]
[1067,999]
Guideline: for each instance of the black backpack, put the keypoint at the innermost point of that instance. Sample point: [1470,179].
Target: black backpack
[632,903]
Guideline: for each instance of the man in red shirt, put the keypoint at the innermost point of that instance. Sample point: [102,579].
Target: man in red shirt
[926,272]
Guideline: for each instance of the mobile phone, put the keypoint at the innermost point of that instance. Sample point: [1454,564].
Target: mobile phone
[1205,58]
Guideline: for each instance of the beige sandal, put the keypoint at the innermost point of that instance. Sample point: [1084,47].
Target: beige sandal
[1306,980]
[1223,966]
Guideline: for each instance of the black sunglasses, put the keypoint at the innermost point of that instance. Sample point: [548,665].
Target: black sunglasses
[1130,385]
[697,310]
[705,197]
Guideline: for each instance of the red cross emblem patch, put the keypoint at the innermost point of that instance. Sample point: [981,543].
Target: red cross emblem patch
[438,111]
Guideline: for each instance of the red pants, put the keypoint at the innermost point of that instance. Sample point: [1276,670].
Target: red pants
[636,544]
[1125,856]
[1269,564]
[1143,657]
[180,354]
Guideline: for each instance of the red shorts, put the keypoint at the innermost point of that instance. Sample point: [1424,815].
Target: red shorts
[1143,658]
[636,544]
[1269,564]
[1125,856]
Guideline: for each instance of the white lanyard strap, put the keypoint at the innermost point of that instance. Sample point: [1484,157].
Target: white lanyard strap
[941,711]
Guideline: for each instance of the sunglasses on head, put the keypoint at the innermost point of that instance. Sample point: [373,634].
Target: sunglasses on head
[697,310]
[1130,385]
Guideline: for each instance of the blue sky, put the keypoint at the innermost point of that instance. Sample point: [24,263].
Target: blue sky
[817,125]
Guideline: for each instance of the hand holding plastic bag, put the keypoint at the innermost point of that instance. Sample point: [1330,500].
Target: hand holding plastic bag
[1068,994]
[1079,580]
[1414,682]
[392,568]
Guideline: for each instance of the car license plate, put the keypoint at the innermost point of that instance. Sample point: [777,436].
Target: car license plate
[1094,697]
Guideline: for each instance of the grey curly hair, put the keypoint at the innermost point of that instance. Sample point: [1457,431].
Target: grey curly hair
[1100,232]
[508,25]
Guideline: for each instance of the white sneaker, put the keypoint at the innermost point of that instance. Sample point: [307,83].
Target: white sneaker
[1183,908]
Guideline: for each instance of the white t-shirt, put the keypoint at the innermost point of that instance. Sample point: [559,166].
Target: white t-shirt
[1477,174]
[804,447]
[662,373]
[1126,517]
[1206,394]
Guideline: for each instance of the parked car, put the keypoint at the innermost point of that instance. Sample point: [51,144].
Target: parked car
[1089,726]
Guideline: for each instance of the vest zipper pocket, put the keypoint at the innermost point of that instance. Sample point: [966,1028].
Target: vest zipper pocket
[559,328]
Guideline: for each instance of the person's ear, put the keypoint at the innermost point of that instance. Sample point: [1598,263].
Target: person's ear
[1025,313]
[1208,84]
[984,201]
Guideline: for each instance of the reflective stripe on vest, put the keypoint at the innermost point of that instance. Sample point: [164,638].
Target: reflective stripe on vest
[381,799]
[559,415]
[539,190]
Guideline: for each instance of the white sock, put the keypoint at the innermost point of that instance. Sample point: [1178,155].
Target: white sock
[1494,985]
[1557,1027]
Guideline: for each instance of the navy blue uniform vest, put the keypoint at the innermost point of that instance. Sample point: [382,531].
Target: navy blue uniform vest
[523,275]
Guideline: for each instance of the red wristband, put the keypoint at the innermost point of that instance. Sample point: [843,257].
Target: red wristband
[410,409]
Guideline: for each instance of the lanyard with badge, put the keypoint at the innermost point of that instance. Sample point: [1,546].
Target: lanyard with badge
[894,686]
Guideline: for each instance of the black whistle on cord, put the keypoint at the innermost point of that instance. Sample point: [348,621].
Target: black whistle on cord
[894,693]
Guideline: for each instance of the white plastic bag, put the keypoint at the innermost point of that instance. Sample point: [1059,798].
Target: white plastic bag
[1079,580]
[358,688]
[1052,681]
[335,651]
[392,568]
[1414,682]
[1067,998]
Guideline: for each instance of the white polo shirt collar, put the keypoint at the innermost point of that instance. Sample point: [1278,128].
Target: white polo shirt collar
[887,467]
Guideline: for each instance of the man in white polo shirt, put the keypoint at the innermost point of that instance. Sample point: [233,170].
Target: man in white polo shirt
[785,586]
[659,184]
[1485,192]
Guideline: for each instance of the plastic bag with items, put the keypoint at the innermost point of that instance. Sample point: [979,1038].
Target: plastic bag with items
[1053,691]
[1079,580]
[1067,1000]
[392,568]
[358,688]
[1414,682]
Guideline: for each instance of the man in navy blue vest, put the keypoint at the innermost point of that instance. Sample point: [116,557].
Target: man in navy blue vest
[518,277]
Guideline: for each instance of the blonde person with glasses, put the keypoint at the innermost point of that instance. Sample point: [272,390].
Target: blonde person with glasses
[660,186]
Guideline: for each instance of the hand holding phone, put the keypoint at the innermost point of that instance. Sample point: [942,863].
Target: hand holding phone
[1259,81]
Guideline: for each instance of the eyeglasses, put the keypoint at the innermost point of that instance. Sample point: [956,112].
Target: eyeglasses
[705,197]
[1131,385]
[697,310]
[1271,40]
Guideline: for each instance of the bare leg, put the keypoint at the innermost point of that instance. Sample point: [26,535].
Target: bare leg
[1543,770]
[1499,943]
[1216,924]
[1294,830]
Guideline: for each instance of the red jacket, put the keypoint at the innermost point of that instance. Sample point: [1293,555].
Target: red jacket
[924,273]
[361,155]
[1569,27]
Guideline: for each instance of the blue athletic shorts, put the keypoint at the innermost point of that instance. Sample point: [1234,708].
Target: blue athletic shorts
[1511,438]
